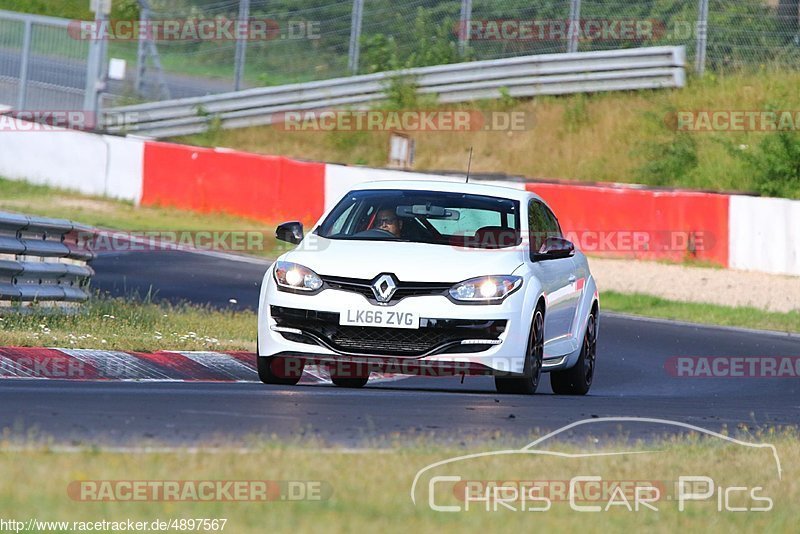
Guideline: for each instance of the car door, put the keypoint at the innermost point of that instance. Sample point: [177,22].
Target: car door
[556,275]
[575,277]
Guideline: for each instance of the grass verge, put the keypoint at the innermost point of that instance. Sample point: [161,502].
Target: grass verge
[611,137]
[650,306]
[141,325]
[370,489]
[131,325]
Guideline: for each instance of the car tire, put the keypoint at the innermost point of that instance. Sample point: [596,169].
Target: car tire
[350,382]
[578,379]
[273,370]
[529,382]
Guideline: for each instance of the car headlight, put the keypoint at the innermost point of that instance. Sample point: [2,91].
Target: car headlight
[485,289]
[296,277]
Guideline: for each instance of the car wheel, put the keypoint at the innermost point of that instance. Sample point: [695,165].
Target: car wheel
[527,384]
[578,379]
[279,371]
[350,382]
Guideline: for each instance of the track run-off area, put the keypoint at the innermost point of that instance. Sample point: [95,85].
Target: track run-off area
[185,397]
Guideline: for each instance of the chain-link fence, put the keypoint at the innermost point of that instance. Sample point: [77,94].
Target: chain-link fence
[41,67]
[169,55]
[315,39]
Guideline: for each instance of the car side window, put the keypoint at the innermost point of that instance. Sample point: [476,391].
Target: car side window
[541,224]
[553,228]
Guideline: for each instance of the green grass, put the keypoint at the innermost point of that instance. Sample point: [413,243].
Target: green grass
[141,325]
[608,137]
[649,306]
[69,9]
[104,213]
[132,324]
[369,490]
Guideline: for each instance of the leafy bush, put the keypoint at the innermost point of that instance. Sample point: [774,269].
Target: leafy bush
[379,53]
[775,163]
[401,93]
[432,42]
[669,160]
[669,156]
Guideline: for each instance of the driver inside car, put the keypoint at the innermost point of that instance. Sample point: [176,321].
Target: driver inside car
[387,220]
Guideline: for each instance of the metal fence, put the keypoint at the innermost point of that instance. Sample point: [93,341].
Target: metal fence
[42,260]
[544,74]
[321,40]
[41,66]
[312,40]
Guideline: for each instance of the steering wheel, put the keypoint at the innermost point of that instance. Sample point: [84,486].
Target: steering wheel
[382,231]
[375,232]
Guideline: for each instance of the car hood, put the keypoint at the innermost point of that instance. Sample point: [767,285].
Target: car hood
[409,262]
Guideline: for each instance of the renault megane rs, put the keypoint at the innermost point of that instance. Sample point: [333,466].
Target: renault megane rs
[431,277]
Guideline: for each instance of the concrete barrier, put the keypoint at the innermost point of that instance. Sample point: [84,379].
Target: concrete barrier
[750,233]
[91,164]
[765,234]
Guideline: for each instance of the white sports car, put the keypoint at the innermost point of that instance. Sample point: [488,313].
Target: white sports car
[432,278]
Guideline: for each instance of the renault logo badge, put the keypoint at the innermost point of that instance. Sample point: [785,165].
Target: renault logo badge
[384,287]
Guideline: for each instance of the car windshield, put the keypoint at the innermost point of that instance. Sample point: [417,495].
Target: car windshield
[436,217]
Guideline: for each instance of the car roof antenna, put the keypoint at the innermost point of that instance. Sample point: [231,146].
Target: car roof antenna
[469,165]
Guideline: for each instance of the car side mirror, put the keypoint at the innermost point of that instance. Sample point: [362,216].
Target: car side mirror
[291,232]
[555,248]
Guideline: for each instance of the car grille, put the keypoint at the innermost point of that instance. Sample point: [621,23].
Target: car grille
[435,336]
[404,289]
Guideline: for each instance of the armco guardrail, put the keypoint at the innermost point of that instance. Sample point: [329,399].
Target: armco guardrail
[550,74]
[43,260]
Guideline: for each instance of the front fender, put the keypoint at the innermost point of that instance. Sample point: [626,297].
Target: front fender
[263,307]
[533,291]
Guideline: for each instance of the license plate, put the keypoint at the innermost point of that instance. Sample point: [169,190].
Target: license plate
[379,318]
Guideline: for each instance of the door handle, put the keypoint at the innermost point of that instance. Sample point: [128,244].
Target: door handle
[572,278]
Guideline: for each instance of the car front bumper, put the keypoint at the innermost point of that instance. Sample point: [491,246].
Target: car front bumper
[453,338]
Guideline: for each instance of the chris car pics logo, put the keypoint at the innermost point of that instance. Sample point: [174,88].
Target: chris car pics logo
[537,479]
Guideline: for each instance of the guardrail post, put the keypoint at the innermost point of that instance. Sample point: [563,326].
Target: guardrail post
[141,50]
[22,96]
[574,25]
[355,36]
[464,26]
[241,44]
[702,37]
[148,49]
[94,70]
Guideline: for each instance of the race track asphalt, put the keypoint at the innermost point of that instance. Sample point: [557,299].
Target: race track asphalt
[631,380]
